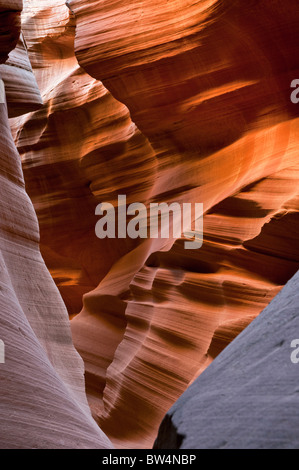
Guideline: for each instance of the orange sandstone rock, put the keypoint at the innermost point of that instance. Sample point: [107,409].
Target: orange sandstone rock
[43,402]
[209,86]
[193,106]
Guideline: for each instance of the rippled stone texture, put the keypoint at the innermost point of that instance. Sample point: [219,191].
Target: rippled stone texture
[206,117]
[248,397]
[43,402]
[79,150]
[21,89]
[209,86]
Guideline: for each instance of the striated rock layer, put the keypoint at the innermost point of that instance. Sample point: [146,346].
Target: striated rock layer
[22,92]
[248,397]
[200,111]
[43,402]
[209,86]
[70,150]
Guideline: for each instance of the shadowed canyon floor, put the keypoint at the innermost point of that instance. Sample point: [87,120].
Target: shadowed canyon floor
[164,102]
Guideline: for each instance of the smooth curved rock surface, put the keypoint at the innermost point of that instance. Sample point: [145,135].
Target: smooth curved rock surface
[43,402]
[194,106]
[70,150]
[248,397]
[209,86]
[22,92]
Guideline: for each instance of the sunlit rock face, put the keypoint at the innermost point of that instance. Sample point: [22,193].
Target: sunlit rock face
[80,149]
[209,86]
[43,402]
[193,106]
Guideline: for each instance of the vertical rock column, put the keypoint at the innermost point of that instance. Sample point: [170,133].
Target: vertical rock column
[43,403]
